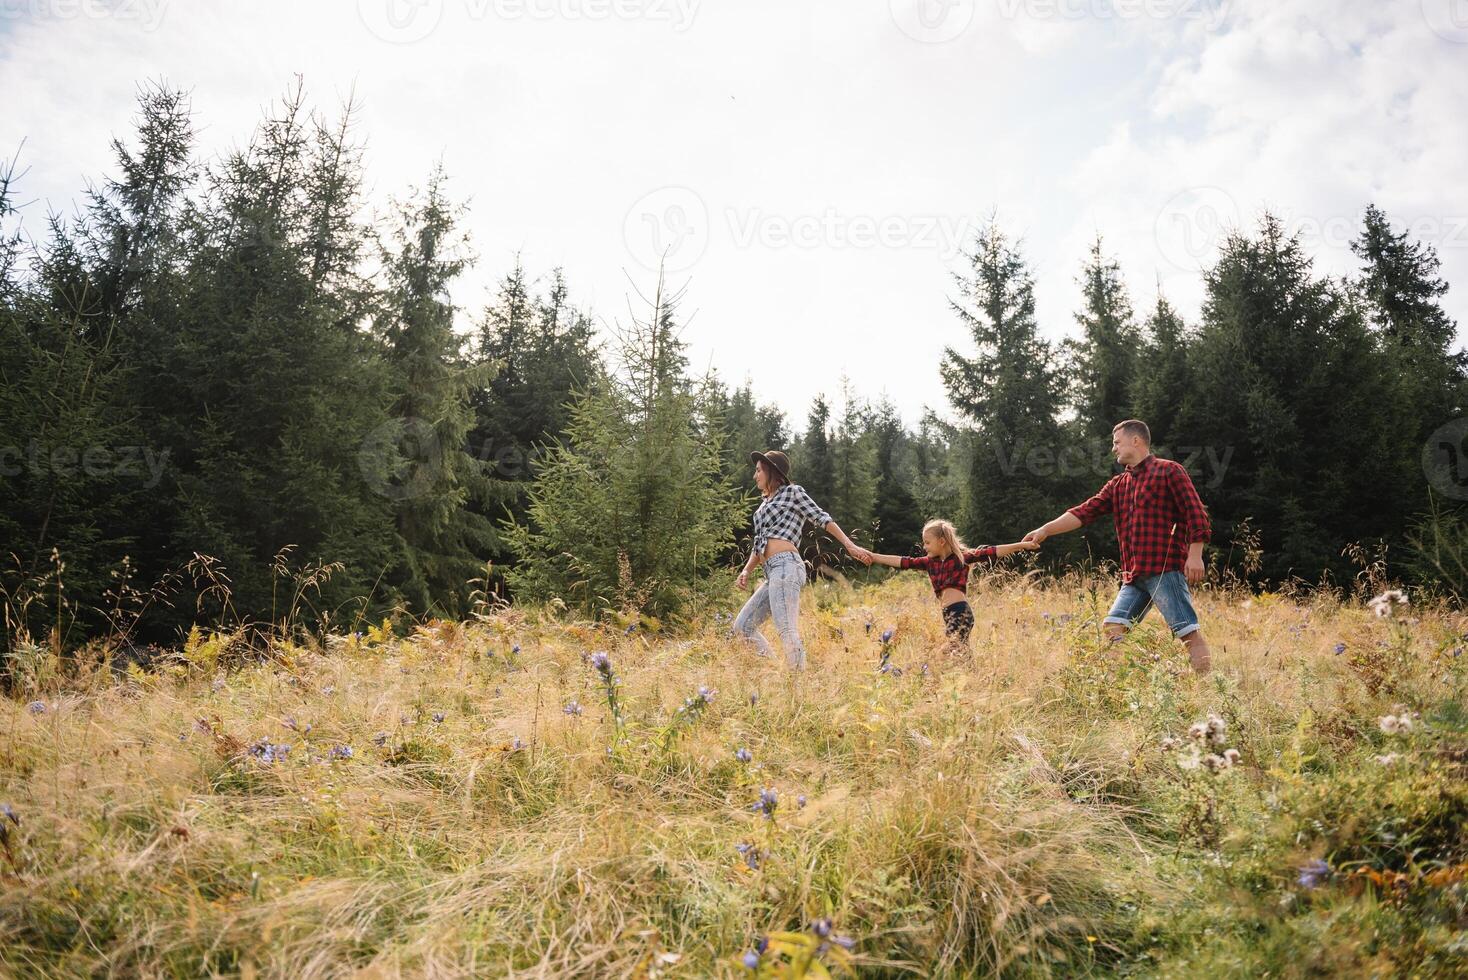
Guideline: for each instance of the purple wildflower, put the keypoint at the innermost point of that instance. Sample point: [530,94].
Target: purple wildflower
[1313,873]
[572,708]
[438,717]
[340,752]
[36,707]
[767,802]
[887,635]
[1340,648]
[743,755]
[602,663]
[751,960]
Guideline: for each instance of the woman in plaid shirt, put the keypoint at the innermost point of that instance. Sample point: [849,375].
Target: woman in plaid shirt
[778,521]
[1161,526]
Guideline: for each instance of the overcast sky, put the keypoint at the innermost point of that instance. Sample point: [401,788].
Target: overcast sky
[810,169]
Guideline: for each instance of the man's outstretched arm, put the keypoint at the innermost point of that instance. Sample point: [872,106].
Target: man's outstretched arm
[1065,522]
[1099,504]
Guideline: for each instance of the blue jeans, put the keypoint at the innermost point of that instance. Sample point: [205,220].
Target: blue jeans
[778,598]
[1168,591]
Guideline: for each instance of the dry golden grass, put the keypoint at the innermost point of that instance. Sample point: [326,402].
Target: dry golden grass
[1006,813]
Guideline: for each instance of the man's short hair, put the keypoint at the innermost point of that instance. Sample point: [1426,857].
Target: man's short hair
[1135,427]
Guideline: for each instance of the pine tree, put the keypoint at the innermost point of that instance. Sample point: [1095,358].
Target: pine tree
[896,515]
[1161,382]
[1008,391]
[1104,359]
[1401,292]
[630,512]
[1287,384]
[543,353]
[443,542]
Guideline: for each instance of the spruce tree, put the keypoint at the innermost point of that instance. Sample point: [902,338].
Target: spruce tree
[1288,385]
[1008,391]
[1104,361]
[630,512]
[443,542]
[1161,382]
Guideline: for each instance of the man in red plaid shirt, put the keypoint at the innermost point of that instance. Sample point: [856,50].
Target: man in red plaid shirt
[1161,526]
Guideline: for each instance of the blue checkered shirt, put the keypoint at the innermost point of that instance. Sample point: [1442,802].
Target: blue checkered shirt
[783,515]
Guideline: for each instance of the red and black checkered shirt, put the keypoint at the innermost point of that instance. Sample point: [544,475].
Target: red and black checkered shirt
[1157,512]
[951,572]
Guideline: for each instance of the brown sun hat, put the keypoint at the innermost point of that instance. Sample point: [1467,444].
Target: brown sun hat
[775,460]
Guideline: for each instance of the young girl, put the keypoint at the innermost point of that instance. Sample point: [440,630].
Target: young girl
[947,563]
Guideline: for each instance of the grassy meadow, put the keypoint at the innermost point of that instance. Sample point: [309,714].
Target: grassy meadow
[490,798]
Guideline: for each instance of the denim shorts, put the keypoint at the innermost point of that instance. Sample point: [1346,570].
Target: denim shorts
[1167,591]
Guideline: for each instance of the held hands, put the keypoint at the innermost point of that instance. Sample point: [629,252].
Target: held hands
[1036,536]
[1005,550]
[860,554]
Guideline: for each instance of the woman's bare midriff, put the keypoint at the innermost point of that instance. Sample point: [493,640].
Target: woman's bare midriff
[950,596]
[776,546]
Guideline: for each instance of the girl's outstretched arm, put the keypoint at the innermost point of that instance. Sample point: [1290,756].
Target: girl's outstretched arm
[891,561]
[992,553]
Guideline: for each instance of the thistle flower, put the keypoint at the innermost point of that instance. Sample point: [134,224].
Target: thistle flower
[1198,730]
[1313,873]
[1169,743]
[1389,759]
[1381,606]
[36,707]
[1394,725]
[743,755]
[1217,729]
[572,708]
[767,802]
[1231,756]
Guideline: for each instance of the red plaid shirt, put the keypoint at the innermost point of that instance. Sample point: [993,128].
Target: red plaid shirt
[951,572]
[1157,512]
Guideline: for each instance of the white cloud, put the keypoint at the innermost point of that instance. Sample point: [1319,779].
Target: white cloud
[555,117]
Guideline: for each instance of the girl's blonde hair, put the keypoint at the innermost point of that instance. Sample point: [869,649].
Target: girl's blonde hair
[945,531]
